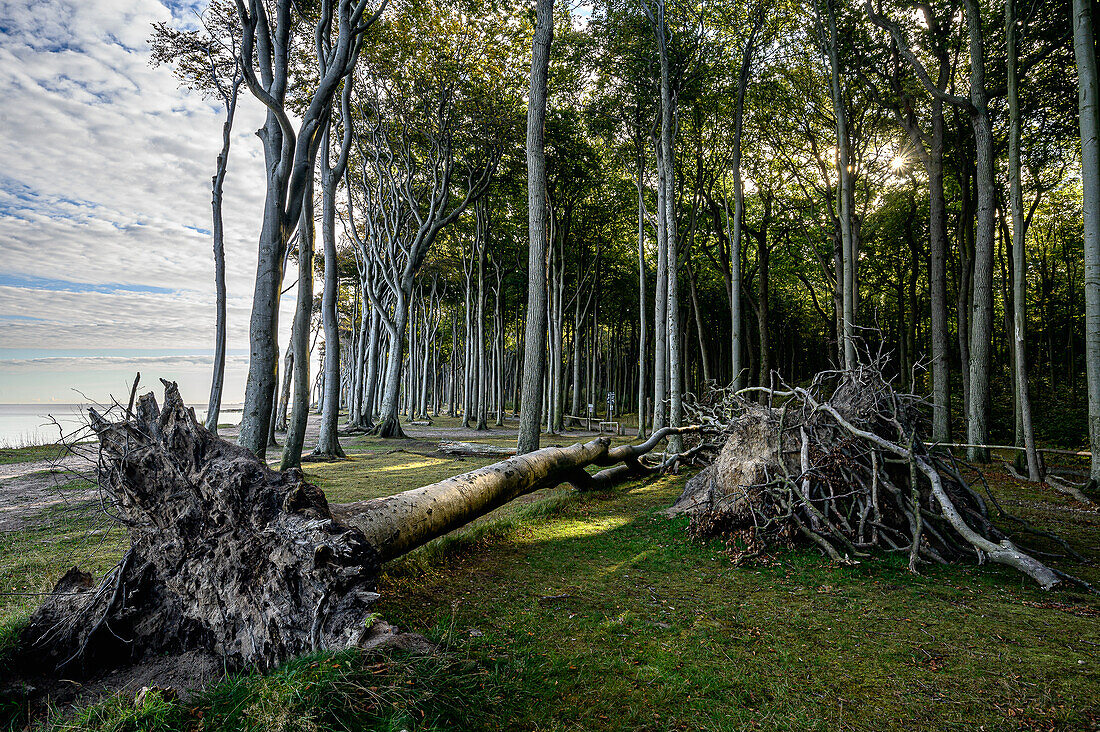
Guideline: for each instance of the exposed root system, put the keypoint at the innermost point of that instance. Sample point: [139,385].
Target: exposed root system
[841,465]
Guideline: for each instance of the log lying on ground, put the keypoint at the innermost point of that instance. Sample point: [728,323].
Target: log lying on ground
[841,465]
[252,565]
[474,449]
[396,524]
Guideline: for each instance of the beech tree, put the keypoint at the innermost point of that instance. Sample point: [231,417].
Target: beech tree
[207,62]
[438,114]
[268,32]
[535,334]
[833,174]
[1084,47]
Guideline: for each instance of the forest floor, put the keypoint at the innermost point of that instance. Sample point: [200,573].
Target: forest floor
[593,611]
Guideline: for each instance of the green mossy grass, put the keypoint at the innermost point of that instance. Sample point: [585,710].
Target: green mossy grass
[30,453]
[593,611]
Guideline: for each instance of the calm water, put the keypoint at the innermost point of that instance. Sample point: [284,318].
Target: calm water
[28,424]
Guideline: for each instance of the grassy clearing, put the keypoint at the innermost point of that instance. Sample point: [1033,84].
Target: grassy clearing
[568,611]
[34,558]
[30,453]
[369,473]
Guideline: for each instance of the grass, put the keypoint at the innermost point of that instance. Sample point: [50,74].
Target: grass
[592,611]
[30,453]
[34,558]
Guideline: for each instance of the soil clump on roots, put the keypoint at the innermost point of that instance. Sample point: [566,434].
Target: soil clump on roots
[841,465]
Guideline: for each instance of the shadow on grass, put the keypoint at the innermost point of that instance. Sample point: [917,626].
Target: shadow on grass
[592,611]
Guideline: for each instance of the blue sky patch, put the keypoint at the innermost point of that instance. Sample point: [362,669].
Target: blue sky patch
[44,283]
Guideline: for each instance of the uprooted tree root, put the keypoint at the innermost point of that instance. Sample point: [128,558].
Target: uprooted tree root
[251,566]
[226,555]
[841,465]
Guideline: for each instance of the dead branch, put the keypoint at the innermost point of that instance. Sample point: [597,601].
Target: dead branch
[841,464]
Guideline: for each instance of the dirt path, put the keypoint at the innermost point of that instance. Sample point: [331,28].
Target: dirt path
[32,499]
[15,470]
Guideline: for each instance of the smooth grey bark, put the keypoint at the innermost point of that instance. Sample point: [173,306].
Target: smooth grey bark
[405,251]
[284,399]
[580,317]
[643,355]
[734,290]
[299,339]
[929,148]
[976,286]
[328,443]
[357,409]
[966,277]
[482,366]
[498,323]
[453,371]
[468,403]
[660,304]
[289,157]
[1019,260]
[981,320]
[535,330]
[374,354]
[763,299]
[555,421]
[1084,49]
[700,326]
[668,159]
[845,192]
[229,97]
[375,300]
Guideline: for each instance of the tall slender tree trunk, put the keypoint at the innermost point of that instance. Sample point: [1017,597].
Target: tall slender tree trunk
[937,239]
[668,159]
[642,330]
[498,321]
[263,328]
[763,309]
[535,335]
[1019,260]
[660,303]
[966,277]
[328,443]
[284,400]
[468,403]
[451,384]
[981,321]
[389,423]
[299,413]
[736,366]
[482,376]
[214,405]
[700,328]
[371,387]
[1084,48]
[356,416]
[845,199]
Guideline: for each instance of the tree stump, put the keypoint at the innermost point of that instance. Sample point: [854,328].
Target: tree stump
[226,555]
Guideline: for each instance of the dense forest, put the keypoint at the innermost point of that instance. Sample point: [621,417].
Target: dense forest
[749,276]
[735,194]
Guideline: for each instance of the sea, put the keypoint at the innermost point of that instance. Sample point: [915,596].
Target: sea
[37,424]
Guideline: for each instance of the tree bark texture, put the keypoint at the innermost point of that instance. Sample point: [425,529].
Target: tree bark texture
[534,357]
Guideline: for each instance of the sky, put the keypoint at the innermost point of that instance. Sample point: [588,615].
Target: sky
[105,248]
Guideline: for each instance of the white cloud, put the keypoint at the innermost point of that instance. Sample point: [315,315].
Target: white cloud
[99,363]
[105,169]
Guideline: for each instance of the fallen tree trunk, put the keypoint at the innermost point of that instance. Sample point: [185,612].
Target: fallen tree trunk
[474,449]
[249,564]
[399,523]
